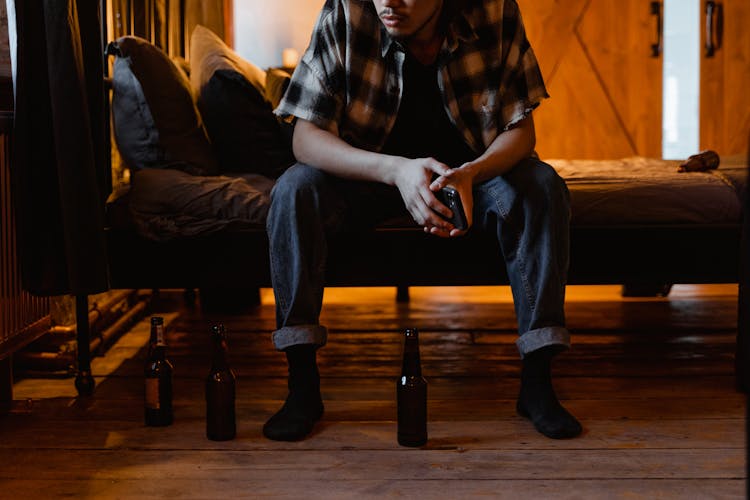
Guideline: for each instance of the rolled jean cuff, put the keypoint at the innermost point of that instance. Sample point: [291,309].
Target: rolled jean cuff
[542,337]
[300,334]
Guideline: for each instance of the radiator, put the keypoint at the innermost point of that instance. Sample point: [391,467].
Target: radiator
[22,316]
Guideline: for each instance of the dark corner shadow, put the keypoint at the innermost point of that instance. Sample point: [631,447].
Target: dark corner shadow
[744,313]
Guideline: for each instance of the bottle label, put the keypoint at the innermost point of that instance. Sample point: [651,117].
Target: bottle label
[152,394]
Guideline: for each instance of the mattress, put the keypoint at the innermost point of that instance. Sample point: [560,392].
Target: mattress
[168,204]
[647,191]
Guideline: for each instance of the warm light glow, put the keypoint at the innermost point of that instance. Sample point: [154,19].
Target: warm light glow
[499,294]
[263,30]
[289,58]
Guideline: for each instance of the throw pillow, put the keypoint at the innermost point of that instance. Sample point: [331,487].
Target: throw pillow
[231,98]
[156,122]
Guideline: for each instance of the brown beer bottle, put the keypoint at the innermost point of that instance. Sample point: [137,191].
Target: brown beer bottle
[158,372]
[411,395]
[220,390]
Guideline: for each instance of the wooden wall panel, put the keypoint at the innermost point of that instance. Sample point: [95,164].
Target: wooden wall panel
[604,84]
[725,83]
[549,27]
[617,37]
[579,120]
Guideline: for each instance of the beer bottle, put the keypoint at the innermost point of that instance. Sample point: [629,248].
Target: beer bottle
[158,372]
[411,395]
[220,416]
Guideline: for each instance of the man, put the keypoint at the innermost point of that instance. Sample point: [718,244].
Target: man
[393,100]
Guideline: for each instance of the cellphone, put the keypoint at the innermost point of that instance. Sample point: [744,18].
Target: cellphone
[451,199]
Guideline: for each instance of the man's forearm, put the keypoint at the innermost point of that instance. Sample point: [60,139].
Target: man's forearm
[324,150]
[504,152]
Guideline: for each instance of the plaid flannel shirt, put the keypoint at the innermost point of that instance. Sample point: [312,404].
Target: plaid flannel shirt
[350,81]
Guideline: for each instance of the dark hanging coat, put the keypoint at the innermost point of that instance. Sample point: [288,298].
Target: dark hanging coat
[58,147]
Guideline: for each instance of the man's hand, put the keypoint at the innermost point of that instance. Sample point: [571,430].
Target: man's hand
[325,150]
[462,181]
[413,182]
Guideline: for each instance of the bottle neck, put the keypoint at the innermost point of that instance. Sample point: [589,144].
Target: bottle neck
[159,352]
[412,366]
[156,345]
[157,334]
[219,358]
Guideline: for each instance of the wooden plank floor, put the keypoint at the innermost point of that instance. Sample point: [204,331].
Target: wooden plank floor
[650,379]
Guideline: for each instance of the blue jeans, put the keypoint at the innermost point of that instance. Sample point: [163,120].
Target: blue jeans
[528,209]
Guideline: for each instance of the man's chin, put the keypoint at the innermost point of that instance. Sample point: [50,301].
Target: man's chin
[397,33]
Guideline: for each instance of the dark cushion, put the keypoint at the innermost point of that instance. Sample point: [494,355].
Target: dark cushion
[156,122]
[168,204]
[239,119]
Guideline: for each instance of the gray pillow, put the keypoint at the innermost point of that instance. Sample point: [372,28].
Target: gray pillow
[156,122]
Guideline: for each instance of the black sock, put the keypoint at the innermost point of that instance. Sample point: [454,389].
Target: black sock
[304,405]
[537,400]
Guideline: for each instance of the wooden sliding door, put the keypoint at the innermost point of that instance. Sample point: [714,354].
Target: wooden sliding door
[725,77]
[602,76]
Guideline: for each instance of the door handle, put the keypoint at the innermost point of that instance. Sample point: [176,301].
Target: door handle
[656,48]
[714,27]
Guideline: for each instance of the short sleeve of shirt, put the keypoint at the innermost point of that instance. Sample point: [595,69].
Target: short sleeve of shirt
[522,84]
[314,93]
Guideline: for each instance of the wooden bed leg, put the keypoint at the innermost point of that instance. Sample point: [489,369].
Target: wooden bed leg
[84,380]
[189,297]
[645,289]
[402,294]
[254,296]
[229,300]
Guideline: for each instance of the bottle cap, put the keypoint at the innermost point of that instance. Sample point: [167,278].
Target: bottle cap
[157,320]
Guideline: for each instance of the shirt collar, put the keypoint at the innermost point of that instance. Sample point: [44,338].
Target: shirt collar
[460,29]
[386,40]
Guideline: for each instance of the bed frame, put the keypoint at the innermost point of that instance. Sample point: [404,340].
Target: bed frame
[402,255]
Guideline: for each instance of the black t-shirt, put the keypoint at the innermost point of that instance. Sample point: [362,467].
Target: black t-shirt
[423,128]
